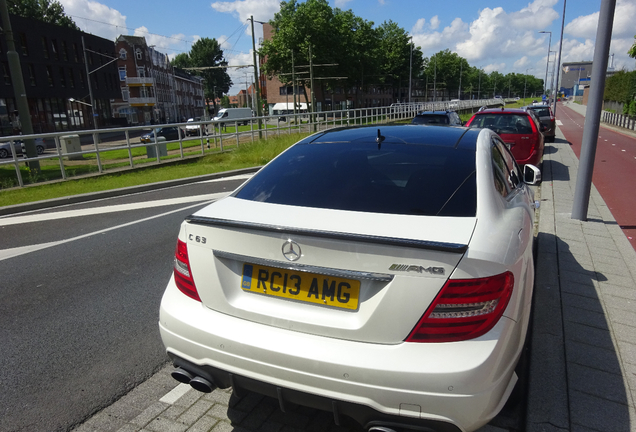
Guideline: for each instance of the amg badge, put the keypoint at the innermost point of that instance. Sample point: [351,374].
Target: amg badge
[418,269]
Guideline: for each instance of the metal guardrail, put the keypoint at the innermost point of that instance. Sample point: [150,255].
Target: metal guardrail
[211,131]
[620,120]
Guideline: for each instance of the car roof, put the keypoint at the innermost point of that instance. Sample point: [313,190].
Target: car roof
[445,136]
[422,113]
[502,111]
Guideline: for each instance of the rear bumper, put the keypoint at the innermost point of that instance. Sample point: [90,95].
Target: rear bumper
[446,387]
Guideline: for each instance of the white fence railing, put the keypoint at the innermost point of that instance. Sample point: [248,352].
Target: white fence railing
[619,120]
[95,144]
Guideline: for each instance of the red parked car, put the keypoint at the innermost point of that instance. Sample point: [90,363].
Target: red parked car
[520,130]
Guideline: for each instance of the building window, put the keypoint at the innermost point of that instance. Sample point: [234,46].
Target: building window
[122,73]
[32,75]
[62,77]
[71,78]
[141,72]
[64,51]
[76,53]
[45,48]
[23,44]
[90,56]
[122,54]
[125,94]
[56,55]
[49,75]
[81,78]
[138,54]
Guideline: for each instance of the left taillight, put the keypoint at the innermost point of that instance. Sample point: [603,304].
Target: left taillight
[464,309]
[183,272]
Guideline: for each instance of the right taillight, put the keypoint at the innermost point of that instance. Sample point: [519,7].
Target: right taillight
[183,273]
[464,309]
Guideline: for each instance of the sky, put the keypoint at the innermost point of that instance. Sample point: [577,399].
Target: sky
[495,35]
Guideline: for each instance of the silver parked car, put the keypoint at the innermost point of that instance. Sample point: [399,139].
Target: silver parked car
[546,118]
[384,273]
[5,147]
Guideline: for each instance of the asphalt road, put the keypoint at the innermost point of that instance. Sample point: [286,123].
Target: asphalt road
[79,302]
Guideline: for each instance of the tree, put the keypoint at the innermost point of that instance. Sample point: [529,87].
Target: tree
[395,55]
[44,10]
[632,50]
[207,52]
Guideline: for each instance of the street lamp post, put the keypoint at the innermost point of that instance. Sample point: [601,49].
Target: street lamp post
[479,86]
[525,86]
[547,63]
[410,69]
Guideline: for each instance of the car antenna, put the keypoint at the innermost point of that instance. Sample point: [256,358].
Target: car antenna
[379,139]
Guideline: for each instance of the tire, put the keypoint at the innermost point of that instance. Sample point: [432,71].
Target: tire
[40,149]
[4,153]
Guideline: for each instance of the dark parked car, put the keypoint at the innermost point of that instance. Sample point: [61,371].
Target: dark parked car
[169,133]
[5,147]
[520,130]
[446,118]
[546,117]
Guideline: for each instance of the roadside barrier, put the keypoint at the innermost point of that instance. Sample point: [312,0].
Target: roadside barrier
[74,153]
[619,120]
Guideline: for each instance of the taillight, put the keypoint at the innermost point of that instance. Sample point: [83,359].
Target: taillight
[183,273]
[464,309]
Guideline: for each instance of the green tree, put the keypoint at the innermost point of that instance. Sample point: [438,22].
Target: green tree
[395,58]
[207,53]
[43,10]
[632,50]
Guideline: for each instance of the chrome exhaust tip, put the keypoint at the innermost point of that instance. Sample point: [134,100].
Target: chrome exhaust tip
[202,385]
[182,375]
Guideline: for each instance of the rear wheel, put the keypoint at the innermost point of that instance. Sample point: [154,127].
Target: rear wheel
[40,149]
[4,153]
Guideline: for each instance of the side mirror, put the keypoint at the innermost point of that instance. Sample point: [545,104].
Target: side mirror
[531,174]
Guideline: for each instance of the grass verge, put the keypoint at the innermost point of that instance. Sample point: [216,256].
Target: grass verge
[248,155]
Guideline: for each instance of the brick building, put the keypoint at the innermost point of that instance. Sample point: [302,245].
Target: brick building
[53,69]
[151,90]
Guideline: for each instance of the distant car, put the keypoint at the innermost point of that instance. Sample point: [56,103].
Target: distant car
[443,118]
[546,117]
[383,273]
[169,133]
[5,147]
[194,129]
[519,129]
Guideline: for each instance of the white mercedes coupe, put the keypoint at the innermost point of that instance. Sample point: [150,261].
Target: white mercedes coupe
[384,273]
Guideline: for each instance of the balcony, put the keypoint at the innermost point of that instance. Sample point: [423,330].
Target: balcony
[140,81]
[142,101]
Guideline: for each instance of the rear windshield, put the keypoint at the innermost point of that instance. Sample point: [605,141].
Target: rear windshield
[503,123]
[542,112]
[398,178]
[430,119]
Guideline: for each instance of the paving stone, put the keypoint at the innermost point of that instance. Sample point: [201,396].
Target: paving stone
[585,317]
[584,290]
[174,411]
[149,414]
[617,280]
[161,424]
[196,411]
[627,351]
[624,332]
[621,316]
[189,398]
[219,396]
[101,422]
[582,302]
[596,382]
[589,335]
[618,302]
[129,428]
[598,413]
[204,424]
[593,356]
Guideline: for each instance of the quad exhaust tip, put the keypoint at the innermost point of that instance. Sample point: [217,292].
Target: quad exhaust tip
[380,429]
[196,382]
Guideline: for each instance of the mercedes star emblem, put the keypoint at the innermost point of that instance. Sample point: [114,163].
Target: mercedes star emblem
[291,250]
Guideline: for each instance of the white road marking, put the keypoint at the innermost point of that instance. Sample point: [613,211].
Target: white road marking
[559,123]
[14,252]
[173,395]
[108,209]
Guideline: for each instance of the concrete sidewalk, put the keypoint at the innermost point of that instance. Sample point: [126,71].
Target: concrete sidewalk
[583,353]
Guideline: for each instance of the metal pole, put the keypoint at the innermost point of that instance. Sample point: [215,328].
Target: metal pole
[19,90]
[547,63]
[410,69]
[593,113]
[90,93]
[459,93]
[435,82]
[257,86]
[294,84]
[479,87]
[558,63]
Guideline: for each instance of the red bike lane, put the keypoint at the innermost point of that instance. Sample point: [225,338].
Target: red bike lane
[614,168]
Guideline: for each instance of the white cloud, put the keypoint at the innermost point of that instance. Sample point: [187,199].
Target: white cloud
[341,3]
[419,26]
[494,67]
[623,27]
[262,10]
[521,63]
[435,22]
[96,18]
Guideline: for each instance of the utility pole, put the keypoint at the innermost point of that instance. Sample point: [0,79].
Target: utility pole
[410,69]
[18,87]
[311,83]
[479,87]
[459,93]
[593,114]
[90,93]
[256,81]
[294,84]
[435,82]
[558,63]
[547,63]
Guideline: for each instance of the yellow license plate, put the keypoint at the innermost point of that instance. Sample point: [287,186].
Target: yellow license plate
[307,287]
